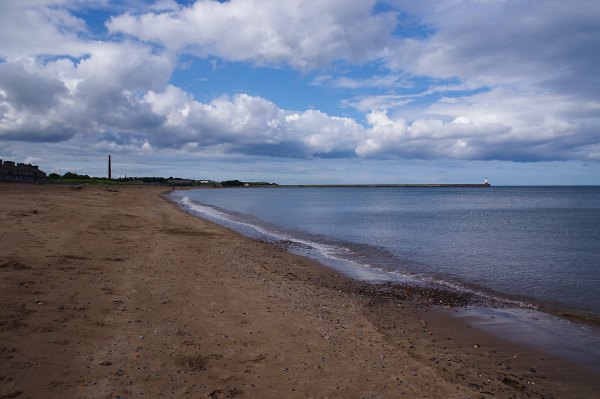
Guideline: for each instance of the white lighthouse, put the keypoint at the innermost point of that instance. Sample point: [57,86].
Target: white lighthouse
[486,181]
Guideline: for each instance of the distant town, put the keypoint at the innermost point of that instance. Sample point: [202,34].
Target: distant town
[11,172]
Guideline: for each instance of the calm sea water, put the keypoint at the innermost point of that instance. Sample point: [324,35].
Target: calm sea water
[540,245]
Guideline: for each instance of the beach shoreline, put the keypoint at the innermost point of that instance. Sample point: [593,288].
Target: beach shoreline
[474,295]
[120,293]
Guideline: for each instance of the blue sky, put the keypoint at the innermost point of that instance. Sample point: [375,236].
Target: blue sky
[326,91]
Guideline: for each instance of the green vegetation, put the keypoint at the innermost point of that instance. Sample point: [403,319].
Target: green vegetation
[160,180]
[232,183]
[74,178]
[70,175]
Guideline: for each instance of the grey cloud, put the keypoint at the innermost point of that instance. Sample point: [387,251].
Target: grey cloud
[294,149]
[25,90]
[26,99]
[121,138]
[523,43]
[103,93]
[33,130]
[102,107]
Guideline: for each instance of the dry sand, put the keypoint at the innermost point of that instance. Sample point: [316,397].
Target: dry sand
[121,294]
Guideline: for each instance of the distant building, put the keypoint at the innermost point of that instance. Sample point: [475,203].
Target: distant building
[21,172]
[204,181]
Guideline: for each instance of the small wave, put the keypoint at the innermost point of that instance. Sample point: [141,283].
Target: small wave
[329,251]
[333,252]
[340,253]
[484,298]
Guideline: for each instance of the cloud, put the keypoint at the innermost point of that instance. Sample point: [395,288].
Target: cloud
[380,81]
[534,64]
[100,97]
[496,125]
[165,5]
[377,103]
[104,100]
[247,124]
[40,27]
[28,104]
[520,44]
[25,90]
[302,34]
[52,101]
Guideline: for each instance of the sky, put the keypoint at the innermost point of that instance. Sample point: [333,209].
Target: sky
[305,91]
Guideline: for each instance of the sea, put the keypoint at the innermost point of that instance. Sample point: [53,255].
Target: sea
[528,247]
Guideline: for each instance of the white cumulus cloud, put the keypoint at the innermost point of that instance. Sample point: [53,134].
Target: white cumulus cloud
[305,34]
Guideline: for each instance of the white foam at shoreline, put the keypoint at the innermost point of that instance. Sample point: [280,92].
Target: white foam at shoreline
[327,250]
[335,253]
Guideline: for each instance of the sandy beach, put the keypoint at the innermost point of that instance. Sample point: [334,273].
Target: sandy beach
[117,293]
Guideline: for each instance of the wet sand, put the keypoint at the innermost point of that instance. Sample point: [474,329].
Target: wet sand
[122,294]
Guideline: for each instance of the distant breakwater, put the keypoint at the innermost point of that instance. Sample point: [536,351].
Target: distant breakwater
[385,185]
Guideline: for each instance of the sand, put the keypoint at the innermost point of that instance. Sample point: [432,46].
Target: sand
[118,293]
